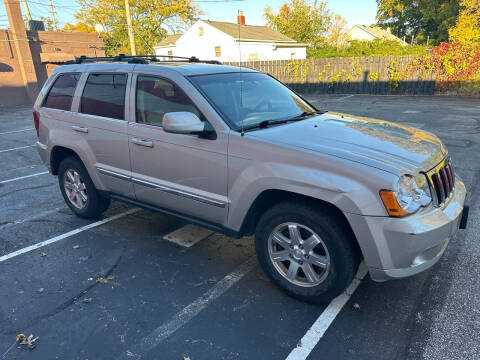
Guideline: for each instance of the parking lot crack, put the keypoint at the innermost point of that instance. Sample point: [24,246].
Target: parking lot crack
[64,305]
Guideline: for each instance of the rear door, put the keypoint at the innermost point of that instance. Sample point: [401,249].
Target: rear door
[101,121]
[183,173]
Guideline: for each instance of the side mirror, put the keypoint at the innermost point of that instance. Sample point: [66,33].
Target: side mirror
[182,123]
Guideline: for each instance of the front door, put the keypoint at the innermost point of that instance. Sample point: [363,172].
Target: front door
[183,173]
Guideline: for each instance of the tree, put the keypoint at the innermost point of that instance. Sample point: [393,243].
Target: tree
[421,19]
[301,20]
[467,28]
[79,27]
[337,35]
[149,20]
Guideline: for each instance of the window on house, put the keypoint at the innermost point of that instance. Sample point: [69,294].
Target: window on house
[253,57]
[104,95]
[61,93]
[292,55]
[218,51]
[156,97]
[200,31]
[170,53]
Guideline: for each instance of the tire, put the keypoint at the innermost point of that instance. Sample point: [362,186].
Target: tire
[84,200]
[336,252]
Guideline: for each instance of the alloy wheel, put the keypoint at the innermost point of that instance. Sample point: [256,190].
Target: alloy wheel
[299,254]
[75,188]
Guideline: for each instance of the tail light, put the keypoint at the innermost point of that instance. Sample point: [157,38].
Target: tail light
[36,121]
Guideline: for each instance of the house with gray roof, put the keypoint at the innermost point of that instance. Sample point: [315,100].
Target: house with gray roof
[227,42]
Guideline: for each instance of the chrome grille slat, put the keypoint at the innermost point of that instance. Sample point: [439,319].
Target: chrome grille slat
[442,181]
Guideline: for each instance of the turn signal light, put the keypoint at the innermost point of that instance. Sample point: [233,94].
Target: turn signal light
[391,204]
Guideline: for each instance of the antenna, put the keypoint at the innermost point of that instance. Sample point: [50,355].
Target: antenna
[239,13]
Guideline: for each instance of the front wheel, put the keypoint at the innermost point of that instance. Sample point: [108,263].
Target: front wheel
[306,251]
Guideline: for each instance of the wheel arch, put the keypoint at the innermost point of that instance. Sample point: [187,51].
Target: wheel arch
[271,197]
[59,153]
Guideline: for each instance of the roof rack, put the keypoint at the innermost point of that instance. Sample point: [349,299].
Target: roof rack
[139,59]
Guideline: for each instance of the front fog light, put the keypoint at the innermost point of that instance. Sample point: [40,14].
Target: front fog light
[411,194]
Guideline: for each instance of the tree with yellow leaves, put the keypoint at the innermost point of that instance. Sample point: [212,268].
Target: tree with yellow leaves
[467,28]
[150,19]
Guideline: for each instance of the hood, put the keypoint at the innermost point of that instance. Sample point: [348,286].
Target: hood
[378,143]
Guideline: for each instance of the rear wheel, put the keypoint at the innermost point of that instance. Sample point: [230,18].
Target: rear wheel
[78,190]
[306,251]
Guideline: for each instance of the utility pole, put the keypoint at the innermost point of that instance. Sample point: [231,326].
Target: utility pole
[27,10]
[130,29]
[52,12]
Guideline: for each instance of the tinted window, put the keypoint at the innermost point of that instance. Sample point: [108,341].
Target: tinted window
[156,97]
[104,95]
[61,93]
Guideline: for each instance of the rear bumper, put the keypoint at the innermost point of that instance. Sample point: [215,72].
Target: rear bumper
[400,247]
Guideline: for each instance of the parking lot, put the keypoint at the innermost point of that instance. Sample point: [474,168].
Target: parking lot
[117,289]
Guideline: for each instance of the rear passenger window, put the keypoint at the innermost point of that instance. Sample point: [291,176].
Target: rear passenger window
[61,93]
[155,97]
[104,95]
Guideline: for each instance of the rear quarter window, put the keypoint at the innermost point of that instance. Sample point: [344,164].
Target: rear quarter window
[104,95]
[61,93]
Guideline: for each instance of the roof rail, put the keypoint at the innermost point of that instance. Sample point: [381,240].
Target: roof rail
[139,59]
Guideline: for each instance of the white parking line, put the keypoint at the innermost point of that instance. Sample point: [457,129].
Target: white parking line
[343,98]
[188,235]
[16,131]
[320,326]
[192,310]
[17,148]
[66,235]
[23,177]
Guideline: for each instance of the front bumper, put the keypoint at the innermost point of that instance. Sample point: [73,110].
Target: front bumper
[400,247]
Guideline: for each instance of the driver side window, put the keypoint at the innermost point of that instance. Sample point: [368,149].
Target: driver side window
[156,96]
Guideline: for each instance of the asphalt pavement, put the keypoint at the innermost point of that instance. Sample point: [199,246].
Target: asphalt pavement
[114,288]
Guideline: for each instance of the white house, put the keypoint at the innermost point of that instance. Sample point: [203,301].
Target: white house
[368,33]
[215,40]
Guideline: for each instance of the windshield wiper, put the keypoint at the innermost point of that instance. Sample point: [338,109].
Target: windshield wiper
[266,123]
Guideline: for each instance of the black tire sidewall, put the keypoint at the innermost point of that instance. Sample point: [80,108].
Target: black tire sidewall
[343,263]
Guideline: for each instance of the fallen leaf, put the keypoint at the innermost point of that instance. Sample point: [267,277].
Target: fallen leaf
[87,300]
[186,358]
[20,337]
[356,306]
[40,290]
[103,280]
[43,254]
[76,246]
[90,279]
[29,341]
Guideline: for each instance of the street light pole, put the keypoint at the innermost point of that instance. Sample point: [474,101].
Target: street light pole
[130,29]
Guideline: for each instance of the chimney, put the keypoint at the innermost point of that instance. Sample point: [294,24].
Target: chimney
[241,18]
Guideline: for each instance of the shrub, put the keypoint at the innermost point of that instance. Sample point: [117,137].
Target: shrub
[377,47]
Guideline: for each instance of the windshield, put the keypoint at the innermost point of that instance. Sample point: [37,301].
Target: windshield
[248,98]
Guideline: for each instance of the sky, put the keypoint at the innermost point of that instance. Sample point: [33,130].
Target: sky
[355,11]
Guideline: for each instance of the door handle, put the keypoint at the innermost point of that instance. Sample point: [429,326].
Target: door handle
[80,129]
[142,142]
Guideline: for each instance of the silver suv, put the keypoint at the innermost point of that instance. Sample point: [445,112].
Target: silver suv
[234,150]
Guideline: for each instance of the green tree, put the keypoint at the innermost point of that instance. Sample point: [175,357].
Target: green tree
[302,20]
[421,19]
[467,28]
[149,20]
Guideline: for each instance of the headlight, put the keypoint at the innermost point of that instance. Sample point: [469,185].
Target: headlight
[411,194]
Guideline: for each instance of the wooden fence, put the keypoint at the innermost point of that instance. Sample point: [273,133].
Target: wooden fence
[352,75]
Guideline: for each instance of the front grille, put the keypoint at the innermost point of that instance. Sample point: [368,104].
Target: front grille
[442,182]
